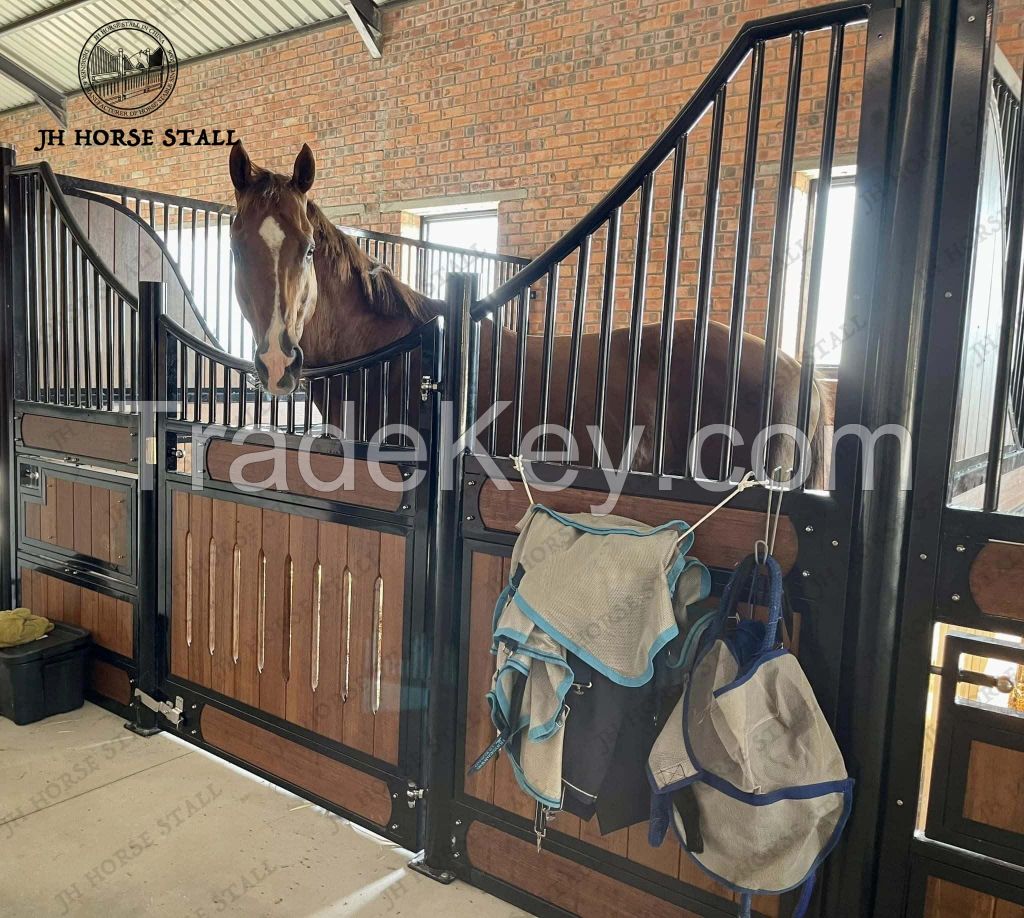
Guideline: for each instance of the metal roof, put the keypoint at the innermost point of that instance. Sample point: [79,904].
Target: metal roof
[45,37]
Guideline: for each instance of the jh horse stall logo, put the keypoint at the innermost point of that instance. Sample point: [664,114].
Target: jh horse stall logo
[128,68]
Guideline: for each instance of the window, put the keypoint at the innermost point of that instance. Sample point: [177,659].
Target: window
[476,230]
[830,329]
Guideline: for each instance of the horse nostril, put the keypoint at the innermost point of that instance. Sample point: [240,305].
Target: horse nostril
[297,358]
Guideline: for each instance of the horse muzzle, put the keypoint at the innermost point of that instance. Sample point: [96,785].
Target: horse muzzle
[279,372]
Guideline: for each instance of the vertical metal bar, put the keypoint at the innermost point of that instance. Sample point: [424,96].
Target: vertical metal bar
[522,340]
[579,311]
[197,378]
[668,306]
[364,403]
[87,336]
[639,299]
[497,339]
[64,321]
[1004,358]
[738,313]
[704,278]
[408,393]
[780,243]
[31,281]
[547,353]
[385,393]
[75,269]
[8,505]
[290,415]
[108,330]
[604,347]
[211,390]
[828,142]
[42,271]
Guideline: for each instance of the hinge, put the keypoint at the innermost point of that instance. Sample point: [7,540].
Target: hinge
[414,795]
[150,451]
[175,713]
[427,385]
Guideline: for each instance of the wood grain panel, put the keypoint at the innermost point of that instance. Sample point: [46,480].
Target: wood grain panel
[997,579]
[344,786]
[249,539]
[222,600]
[330,705]
[945,899]
[995,787]
[485,586]
[89,520]
[279,581]
[391,651]
[302,607]
[273,677]
[110,682]
[723,541]
[664,859]
[570,886]
[180,584]
[364,491]
[364,563]
[108,619]
[105,442]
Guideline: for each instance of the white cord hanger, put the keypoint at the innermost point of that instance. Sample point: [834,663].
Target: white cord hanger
[517,464]
[747,481]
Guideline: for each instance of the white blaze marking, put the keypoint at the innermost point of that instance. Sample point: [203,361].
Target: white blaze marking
[274,359]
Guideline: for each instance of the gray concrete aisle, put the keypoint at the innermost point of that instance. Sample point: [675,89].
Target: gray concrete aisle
[98,823]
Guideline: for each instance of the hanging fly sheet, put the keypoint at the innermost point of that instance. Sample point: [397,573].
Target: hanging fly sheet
[746,769]
[590,603]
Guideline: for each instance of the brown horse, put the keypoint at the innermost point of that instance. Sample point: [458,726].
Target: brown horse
[314,298]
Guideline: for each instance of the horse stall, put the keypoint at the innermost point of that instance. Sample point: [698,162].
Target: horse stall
[335,639]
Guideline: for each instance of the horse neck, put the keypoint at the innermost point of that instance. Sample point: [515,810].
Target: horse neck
[344,326]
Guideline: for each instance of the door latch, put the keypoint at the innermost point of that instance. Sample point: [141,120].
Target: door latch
[175,713]
[427,385]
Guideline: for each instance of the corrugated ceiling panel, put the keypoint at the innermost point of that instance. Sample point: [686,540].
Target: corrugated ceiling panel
[50,48]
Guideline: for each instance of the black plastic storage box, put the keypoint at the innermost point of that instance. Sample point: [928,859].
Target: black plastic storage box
[46,676]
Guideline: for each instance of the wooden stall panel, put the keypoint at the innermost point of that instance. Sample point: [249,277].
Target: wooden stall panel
[570,886]
[301,618]
[78,516]
[723,541]
[361,490]
[994,794]
[327,778]
[87,439]
[997,579]
[108,619]
[946,899]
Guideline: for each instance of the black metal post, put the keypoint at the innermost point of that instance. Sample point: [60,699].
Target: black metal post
[458,385]
[152,389]
[7,510]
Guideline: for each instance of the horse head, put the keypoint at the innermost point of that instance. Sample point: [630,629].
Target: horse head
[272,241]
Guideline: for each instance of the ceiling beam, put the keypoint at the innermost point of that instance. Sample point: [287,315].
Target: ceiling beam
[365,17]
[53,100]
[40,16]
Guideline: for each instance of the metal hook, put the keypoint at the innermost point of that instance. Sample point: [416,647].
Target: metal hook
[517,464]
[765,547]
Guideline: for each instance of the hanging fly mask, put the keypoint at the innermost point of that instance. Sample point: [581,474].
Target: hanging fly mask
[746,769]
[588,588]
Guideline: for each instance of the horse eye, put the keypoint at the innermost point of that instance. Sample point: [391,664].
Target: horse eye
[309,251]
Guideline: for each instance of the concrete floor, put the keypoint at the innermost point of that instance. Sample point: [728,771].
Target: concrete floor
[95,821]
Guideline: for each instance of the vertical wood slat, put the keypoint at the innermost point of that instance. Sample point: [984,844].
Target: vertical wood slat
[179,583]
[48,511]
[329,711]
[704,278]
[302,549]
[273,678]
[100,499]
[364,562]
[66,512]
[249,539]
[200,520]
[392,573]
[222,598]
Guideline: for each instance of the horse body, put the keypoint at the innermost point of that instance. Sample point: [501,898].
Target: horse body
[326,302]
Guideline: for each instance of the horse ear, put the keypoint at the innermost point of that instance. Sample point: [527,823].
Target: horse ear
[305,169]
[240,166]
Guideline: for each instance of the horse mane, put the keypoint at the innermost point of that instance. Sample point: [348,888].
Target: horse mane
[385,294]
